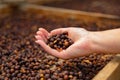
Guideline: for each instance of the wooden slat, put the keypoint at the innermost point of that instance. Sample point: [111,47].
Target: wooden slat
[13,1]
[73,14]
[30,1]
[43,1]
[4,10]
[111,71]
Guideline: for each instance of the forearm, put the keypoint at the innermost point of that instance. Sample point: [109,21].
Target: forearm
[106,41]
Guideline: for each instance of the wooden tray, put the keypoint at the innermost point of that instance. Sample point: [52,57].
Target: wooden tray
[112,69]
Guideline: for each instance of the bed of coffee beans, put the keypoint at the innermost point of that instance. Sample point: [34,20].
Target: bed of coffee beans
[59,41]
[22,59]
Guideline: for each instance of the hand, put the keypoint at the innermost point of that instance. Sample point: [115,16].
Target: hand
[80,47]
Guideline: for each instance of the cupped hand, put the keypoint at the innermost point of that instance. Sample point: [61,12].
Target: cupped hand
[80,47]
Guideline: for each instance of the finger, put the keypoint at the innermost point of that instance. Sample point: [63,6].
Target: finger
[47,48]
[39,33]
[45,32]
[58,31]
[52,51]
[38,37]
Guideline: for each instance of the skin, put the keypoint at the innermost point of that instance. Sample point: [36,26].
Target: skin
[85,42]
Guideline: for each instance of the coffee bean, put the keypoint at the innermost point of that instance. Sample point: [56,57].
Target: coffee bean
[11,70]
[66,77]
[47,76]
[19,75]
[22,70]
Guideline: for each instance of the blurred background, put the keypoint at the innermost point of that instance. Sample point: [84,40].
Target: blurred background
[99,6]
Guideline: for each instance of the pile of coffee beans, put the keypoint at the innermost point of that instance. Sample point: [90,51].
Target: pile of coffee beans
[59,41]
[22,59]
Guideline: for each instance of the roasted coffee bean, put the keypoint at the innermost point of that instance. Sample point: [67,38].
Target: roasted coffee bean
[33,74]
[66,77]
[22,70]
[47,76]
[47,71]
[17,67]
[36,67]
[11,70]
[60,78]
[49,79]
[19,75]
[54,77]
[70,76]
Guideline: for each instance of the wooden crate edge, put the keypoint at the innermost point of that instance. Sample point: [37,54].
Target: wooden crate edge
[107,72]
[4,9]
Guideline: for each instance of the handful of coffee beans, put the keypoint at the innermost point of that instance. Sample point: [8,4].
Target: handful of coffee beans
[59,41]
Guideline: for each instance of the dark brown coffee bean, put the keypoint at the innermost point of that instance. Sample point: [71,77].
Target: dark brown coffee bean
[47,71]
[47,76]
[70,76]
[11,70]
[41,75]
[22,70]
[51,44]
[54,77]
[49,79]
[66,77]
[60,78]
[19,75]
[33,74]
[17,67]
[71,73]
[36,67]
[6,78]
[51,39]
[55,46]
[66,43]
[65,72]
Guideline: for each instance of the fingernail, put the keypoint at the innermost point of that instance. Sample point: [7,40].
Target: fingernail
[37,41]
[37,32]
[36,36]
[39,28]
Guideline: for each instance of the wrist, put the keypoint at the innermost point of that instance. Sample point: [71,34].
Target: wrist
[95,41]
[104,41]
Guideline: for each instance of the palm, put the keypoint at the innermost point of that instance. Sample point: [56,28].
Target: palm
[79,36]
